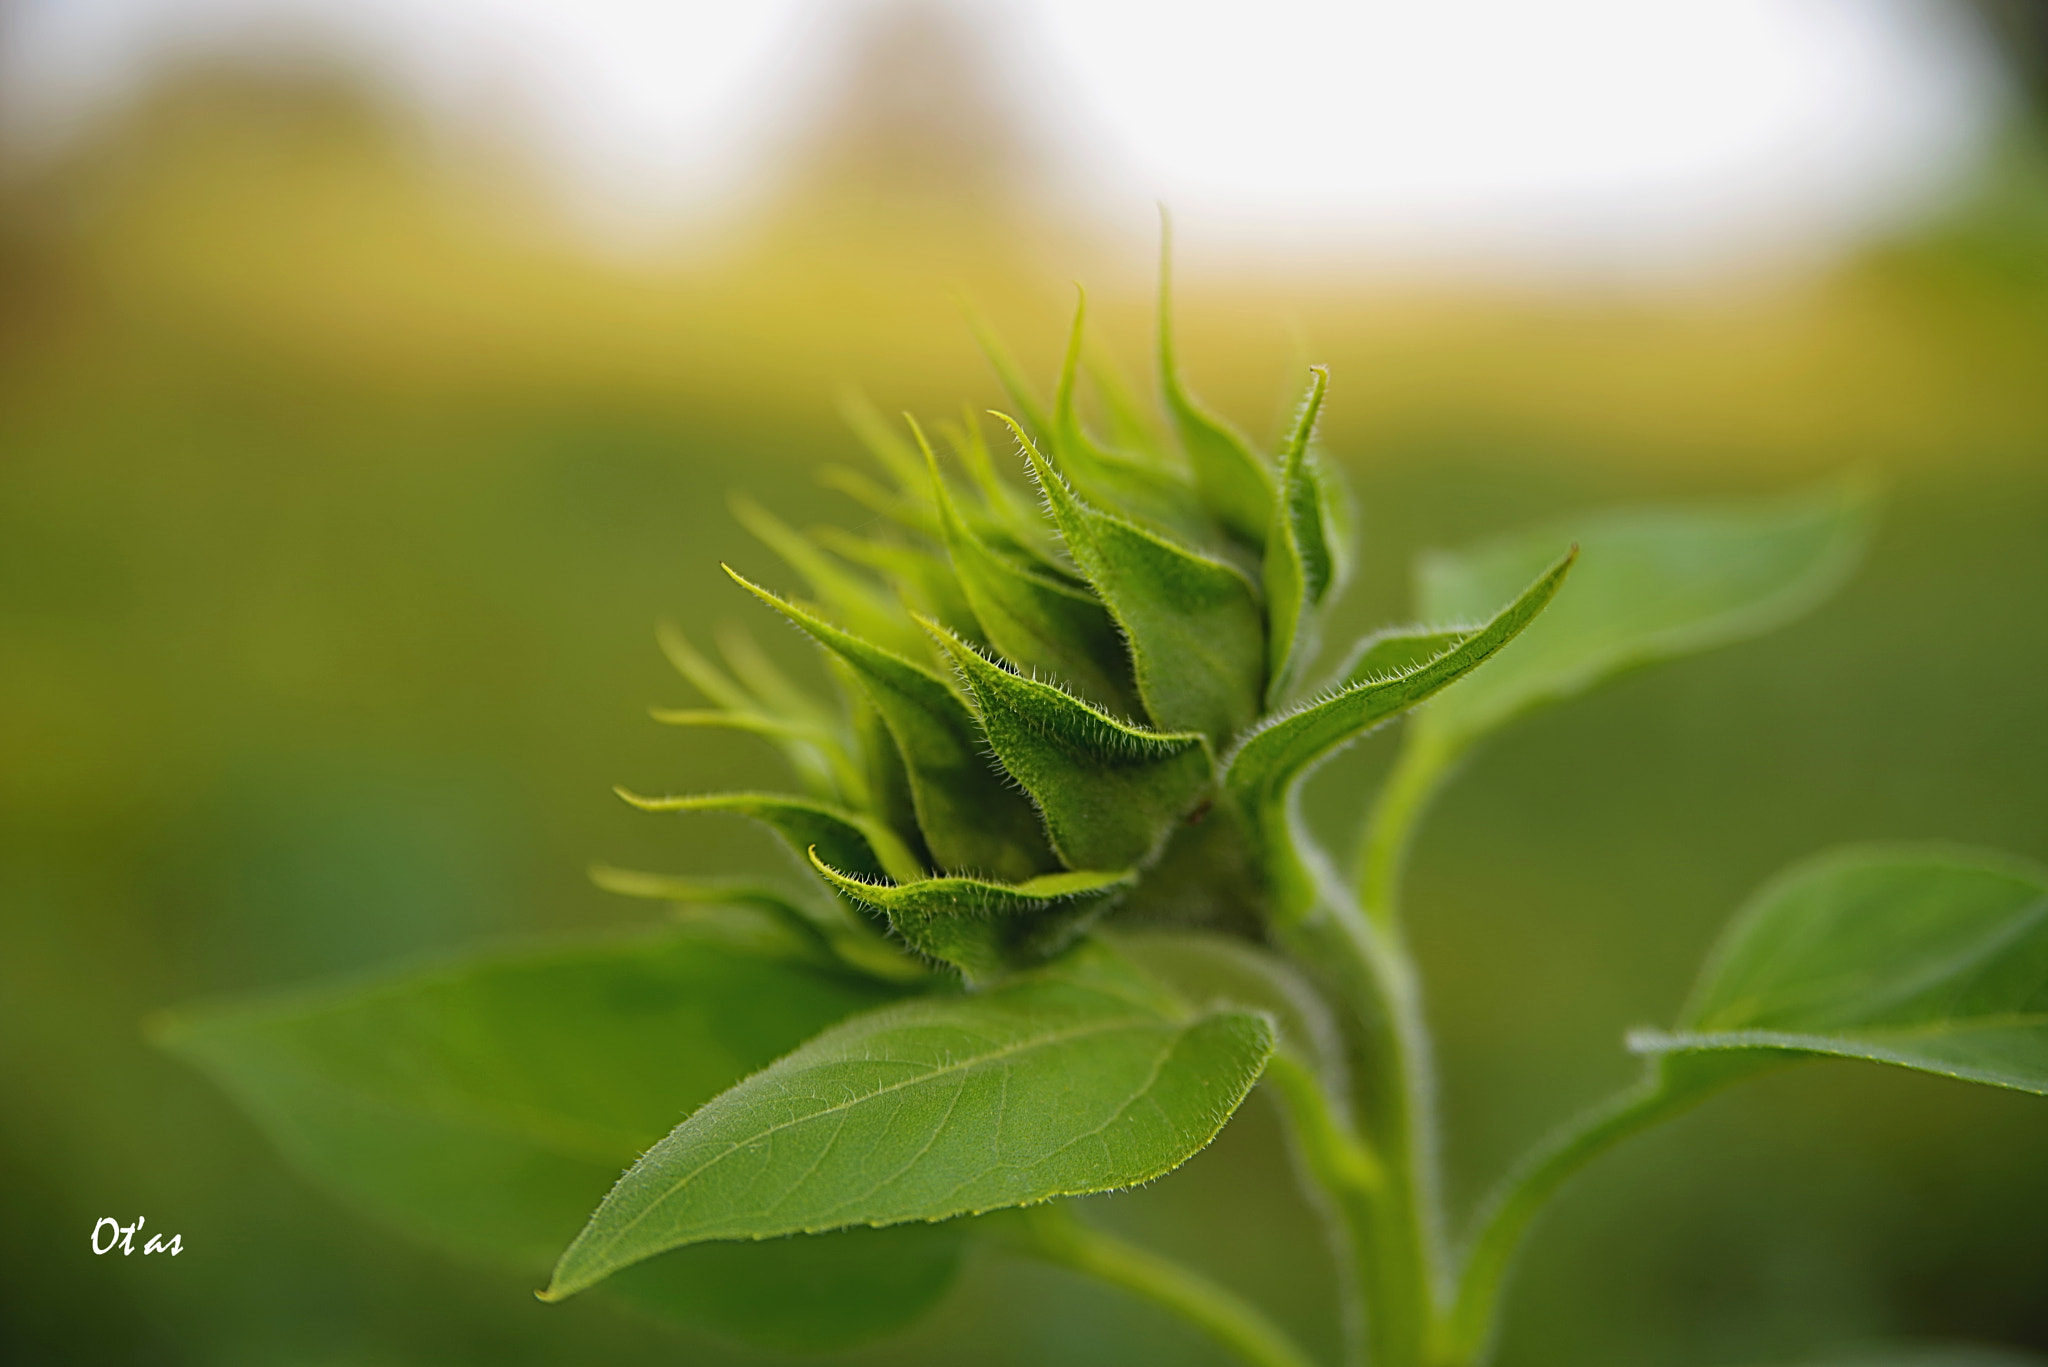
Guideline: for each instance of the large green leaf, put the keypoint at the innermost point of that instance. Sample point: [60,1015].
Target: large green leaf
[1654,584]
[1237,485]
[484,1105]
[1035,620]
[983,928]
[1196,632]
[1109,793]
[1081,1077]
[1928,958]
[972,820]
[1301,561]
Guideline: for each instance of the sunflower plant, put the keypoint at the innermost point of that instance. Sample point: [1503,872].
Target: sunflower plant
[1053,913]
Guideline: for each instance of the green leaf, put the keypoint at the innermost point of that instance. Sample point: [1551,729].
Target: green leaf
[1655,584]
[1397,650]
[1927,958]
[1236,485]
[483,1105]
[980,927]
[853,1285]
[971,819]
[1109,793]
[847,839]
[1196,633]
[1036,621]
[1273,759]
[1081,1077]
[1300,562]
[1205,969]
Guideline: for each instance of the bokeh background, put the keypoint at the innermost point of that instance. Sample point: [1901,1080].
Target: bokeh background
[372,378]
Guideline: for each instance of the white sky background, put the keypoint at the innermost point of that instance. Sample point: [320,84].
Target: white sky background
[1652,139]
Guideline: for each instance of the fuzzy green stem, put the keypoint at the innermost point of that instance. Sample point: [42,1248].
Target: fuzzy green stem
[1466,1334]
[1337,1157]
[1396,1224]
[1343,1177]
[1055,1235]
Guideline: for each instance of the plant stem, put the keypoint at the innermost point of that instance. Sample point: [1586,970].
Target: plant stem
[1057,1236]
[1466,1334]
[1390,826]
[1395,1224]
[1342,1177]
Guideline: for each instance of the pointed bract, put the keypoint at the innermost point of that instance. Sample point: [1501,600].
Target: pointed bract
[1146,492]
[1196,634]
[1109,792]
[1034,620]
[1236,485]
[1397,650]
[984,928]
[1265,771]
[1300,567]
[851,841]
[972,821]
[865,606]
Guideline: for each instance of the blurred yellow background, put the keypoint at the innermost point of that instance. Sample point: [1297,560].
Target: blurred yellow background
[343,477]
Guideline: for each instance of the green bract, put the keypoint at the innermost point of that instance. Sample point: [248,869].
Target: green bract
[1052,912]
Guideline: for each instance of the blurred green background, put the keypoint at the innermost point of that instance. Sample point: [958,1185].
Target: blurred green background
[340,491]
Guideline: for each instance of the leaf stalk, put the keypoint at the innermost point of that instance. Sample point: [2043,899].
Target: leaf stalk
[1054,1234]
